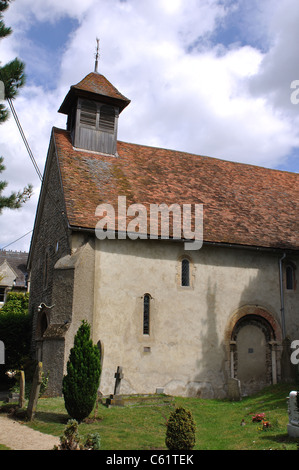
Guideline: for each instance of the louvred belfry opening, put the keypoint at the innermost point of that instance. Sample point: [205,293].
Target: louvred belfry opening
[93,107]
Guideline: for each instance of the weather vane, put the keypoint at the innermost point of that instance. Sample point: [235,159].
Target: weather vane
[97,56]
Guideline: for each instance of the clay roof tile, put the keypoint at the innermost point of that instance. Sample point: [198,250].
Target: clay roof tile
[243,204]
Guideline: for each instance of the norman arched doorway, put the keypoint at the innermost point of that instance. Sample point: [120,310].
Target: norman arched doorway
[254,352]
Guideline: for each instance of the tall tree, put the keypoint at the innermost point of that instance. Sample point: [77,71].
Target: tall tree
[12,76]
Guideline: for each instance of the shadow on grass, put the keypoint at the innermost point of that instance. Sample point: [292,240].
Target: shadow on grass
[52,417]
[281,439]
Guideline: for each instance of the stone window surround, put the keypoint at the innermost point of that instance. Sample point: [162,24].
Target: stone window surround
[192,270]
[292,265]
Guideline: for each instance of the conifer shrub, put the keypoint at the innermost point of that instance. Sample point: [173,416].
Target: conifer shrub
[93,442]
[180,434]
[70,439]
[81,383]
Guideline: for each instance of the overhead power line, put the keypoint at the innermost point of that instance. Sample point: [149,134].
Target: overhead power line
[14,113]
[24,138]
[20,238]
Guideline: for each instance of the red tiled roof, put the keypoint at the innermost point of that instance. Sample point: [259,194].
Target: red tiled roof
[243,204]
[99,85]
[96,84]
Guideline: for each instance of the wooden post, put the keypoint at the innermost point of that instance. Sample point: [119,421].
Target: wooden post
[34,393]
[22,389]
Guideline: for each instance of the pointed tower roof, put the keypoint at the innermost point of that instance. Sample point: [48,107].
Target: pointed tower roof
[94,86]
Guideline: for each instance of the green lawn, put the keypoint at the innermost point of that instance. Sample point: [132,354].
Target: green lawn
[218,422]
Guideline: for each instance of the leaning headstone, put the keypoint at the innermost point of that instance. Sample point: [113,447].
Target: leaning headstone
[116,399]
[293,410]
[118,377]
[34,393]
[234,389]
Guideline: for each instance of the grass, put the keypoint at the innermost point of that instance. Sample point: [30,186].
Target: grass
[217,421]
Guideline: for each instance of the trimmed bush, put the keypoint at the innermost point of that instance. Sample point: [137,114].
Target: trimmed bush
[81,383]
[180,434]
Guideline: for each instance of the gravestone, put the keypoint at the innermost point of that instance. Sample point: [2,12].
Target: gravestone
[293,410]
[116,399]
[118,377]
[234,389]
[12,397]
[34,393]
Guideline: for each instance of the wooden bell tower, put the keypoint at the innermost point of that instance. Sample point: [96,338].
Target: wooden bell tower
[93,107]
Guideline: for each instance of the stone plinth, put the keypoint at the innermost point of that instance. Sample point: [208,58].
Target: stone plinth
[115,400]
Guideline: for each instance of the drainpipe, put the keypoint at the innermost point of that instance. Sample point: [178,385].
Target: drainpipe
[282,297]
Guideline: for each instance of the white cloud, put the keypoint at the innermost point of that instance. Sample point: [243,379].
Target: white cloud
[279,66]
[188,93]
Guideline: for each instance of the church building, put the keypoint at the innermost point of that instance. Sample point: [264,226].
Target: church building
[181,318]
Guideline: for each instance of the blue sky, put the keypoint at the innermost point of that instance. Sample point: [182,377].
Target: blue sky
[210,77]
[50,40]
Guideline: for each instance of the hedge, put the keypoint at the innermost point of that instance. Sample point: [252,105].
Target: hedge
[15,332]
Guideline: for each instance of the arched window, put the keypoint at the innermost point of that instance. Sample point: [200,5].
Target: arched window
[185,273]
[43,323]
[146,314]
[290,277]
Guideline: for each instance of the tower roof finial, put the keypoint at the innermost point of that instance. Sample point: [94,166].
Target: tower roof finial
[97,56]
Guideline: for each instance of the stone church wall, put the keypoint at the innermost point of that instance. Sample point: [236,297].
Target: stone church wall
[50,244]
[187,351]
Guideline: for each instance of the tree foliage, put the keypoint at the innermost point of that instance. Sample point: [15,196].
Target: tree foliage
[14,200]
[15,332]
[12,75]
[16,304]
[81,383]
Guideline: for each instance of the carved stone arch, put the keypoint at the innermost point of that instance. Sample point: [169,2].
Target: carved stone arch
[259,365]
[43,321]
